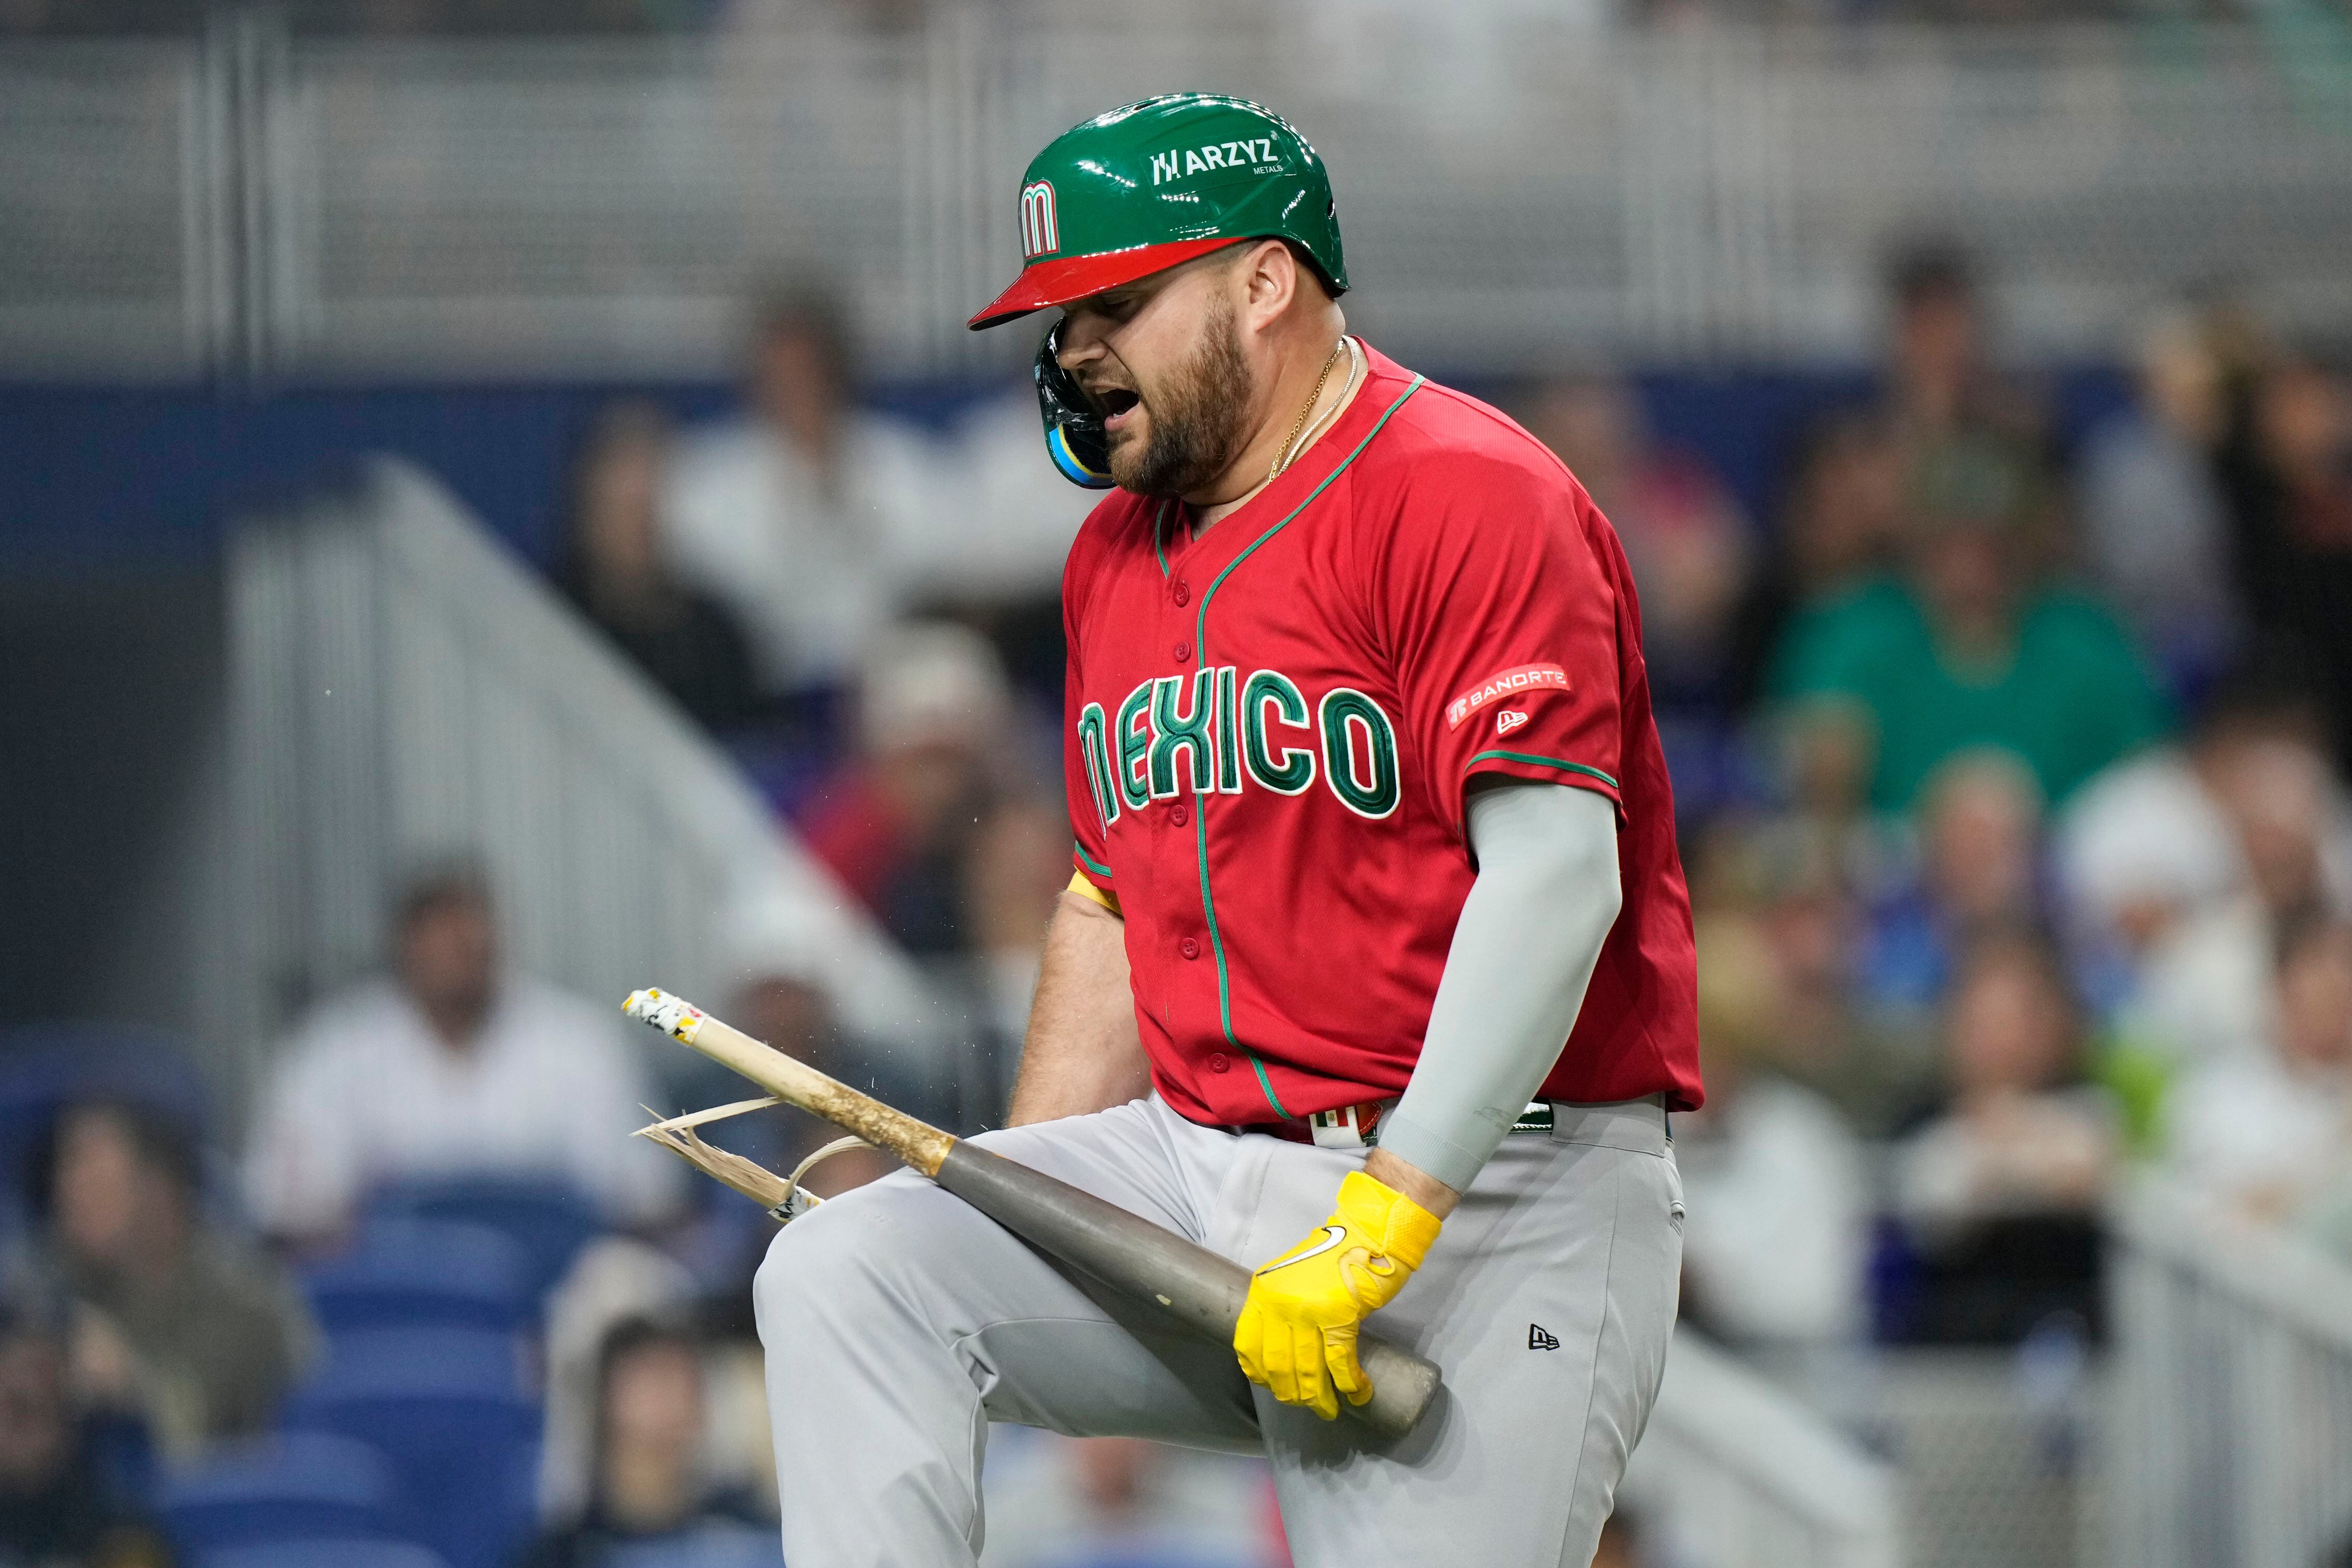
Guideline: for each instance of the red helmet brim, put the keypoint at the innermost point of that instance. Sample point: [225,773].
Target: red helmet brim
[1059,280]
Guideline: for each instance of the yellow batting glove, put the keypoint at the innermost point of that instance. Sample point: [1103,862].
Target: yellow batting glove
[1296,1335]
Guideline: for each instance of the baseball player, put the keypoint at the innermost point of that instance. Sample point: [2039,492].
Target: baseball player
[1375,970]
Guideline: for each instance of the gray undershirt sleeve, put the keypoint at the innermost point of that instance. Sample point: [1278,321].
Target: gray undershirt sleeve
[1523,953]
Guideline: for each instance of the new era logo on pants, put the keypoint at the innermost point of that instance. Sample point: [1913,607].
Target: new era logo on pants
[1538,1340]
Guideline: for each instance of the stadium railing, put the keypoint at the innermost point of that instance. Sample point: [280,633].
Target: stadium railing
[1735,1472]
[1517,183]
[2231,1440]
[401,688]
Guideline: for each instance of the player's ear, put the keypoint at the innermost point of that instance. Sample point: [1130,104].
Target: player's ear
[1269,280]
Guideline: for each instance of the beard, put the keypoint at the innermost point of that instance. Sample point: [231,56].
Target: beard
[1198,421]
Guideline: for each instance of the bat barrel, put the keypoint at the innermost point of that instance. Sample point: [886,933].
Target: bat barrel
[1191,1284]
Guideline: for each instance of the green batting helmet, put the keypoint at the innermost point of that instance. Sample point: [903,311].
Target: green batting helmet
[1161,182]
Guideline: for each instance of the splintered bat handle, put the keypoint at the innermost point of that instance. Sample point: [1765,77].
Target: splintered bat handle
[794,1082]
[1193,1285]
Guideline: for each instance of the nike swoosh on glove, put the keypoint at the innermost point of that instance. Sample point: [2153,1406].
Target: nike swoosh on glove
[1297,1336]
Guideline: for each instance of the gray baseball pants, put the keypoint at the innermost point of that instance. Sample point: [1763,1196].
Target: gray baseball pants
[898,1322]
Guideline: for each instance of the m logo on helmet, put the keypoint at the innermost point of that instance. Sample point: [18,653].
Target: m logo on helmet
[1040,236]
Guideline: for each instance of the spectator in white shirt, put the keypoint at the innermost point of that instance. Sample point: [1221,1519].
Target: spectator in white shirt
[451,1068]
[1004,541]
[1773,1247]
[2206,989]
[2150,855]
[2143,848]
[2270,1130]
[2000,1193]
[2022,1136]
[795,514]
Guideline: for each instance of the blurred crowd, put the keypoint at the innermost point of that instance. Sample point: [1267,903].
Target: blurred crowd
[438,1316]
[867,611]
[2009,742]
[2014,819]
[2010,761]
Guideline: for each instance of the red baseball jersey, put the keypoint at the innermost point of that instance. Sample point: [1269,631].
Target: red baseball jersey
[1271,727]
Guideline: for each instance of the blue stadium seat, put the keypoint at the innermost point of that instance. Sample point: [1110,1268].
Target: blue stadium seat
[119,1448]
[447,1408]
[552,1222]
[424,1273]
[323,1552]
[295,1486]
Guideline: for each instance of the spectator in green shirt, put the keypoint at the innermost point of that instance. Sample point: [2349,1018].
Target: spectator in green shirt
[1963,649]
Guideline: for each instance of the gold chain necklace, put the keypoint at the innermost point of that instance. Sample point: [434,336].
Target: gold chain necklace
[1282,457]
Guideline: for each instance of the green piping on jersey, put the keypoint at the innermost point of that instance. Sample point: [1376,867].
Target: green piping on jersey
[1545,762]
[1159,525]
[1200,815]
[1265,1084]
[1093,865]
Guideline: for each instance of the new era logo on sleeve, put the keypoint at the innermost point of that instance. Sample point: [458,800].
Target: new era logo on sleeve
[1508,683]
[1509,719]
[1040,235]
[1538,1340]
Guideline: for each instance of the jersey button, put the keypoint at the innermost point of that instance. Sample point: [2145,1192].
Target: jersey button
[1181,592]
[1218,1064]
[1190,948]
[1183,652]
[1177,815]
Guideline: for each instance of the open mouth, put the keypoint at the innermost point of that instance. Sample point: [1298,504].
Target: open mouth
[1117,404]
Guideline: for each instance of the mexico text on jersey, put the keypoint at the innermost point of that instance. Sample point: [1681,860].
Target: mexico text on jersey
[1223,729]
[1271,728]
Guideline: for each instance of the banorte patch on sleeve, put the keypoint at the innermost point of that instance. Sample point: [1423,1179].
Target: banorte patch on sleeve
[1509,683]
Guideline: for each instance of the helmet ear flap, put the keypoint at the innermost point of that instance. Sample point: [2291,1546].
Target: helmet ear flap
[1075,437]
